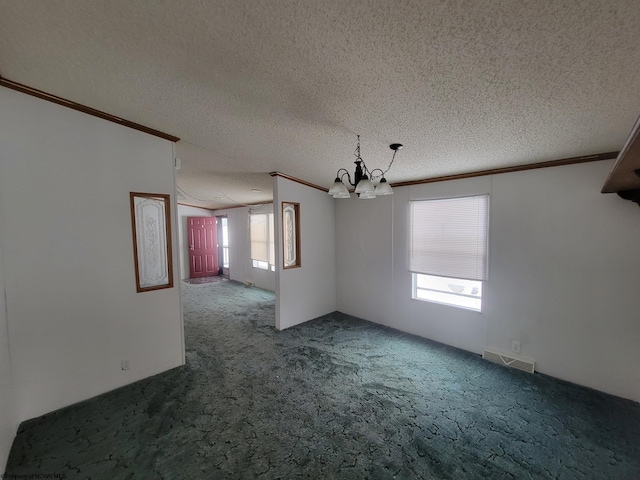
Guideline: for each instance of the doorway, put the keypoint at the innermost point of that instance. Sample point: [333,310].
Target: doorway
[203,247]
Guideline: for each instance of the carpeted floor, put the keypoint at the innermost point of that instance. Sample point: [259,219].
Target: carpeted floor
[201,280]
[336,397]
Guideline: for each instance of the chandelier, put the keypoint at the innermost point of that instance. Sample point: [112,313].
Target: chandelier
[364,178]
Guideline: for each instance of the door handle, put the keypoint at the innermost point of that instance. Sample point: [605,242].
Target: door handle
[190,247]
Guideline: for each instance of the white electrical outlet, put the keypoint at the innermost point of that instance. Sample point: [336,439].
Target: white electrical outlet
[125,365]
[515,346]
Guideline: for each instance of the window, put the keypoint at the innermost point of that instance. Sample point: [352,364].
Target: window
[450,291]
[449,250]
[263,250]
[225,243]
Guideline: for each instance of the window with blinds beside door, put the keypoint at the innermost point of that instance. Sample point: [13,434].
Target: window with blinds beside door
[262,241]
[449,250]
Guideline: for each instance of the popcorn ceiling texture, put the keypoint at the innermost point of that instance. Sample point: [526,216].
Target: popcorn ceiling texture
[333,398]
[286,85]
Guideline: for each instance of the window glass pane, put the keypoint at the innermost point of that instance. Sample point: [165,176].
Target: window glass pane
[225,232]
[450,285]
[225,257]
[261,265]
[449,291]
[450,299]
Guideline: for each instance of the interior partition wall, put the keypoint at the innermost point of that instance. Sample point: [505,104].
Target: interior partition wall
[74,314]
[309,290]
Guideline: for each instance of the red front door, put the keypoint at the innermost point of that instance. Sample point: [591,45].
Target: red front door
[203,247]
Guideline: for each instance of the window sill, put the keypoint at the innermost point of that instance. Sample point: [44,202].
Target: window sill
[468,309]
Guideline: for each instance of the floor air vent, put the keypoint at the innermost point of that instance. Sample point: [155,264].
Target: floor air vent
[510,360]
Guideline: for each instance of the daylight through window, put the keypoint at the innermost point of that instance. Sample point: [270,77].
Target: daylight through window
[225,242]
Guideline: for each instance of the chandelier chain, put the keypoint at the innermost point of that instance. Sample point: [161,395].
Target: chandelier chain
[390,163]
[366,169]
[357,154]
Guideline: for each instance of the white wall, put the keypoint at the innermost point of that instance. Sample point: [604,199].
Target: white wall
[8,417]
[307,292]
[72,305]
[564,269]
[364,237]
[565,272]
[185,211]
[240,265]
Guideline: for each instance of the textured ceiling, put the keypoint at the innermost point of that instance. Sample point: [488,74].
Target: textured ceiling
[256,86]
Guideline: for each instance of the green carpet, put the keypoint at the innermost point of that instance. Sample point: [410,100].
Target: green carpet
[336,397]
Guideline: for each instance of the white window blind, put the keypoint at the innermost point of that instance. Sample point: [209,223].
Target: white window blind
[272,243]
[259,236]
[262,240]
[449,237]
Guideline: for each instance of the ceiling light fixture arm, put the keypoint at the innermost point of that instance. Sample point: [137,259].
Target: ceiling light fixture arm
[375,177]
[340,177]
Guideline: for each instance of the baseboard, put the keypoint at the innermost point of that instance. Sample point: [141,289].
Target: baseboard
[508,359]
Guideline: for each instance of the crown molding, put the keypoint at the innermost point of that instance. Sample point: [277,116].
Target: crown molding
[297,180]
[517,168]
[83,108]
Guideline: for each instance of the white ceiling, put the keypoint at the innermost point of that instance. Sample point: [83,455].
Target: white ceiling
[257,86]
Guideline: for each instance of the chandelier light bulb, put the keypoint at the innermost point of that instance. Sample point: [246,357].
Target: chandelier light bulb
[364,186]
[383,188]
[337,187]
